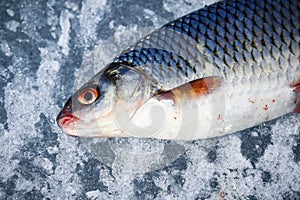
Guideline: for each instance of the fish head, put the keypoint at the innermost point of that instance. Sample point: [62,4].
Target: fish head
[93,110]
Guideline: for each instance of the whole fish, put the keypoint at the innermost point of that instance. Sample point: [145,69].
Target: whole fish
[224,68]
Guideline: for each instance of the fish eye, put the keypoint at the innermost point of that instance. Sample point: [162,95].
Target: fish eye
[88,96]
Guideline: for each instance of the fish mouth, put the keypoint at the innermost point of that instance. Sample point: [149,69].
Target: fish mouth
[76,127]
[65,119]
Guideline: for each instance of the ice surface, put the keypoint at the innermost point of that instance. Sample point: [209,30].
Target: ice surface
[48,49]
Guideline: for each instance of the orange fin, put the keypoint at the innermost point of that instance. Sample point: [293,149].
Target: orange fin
[193,89]
[296,88]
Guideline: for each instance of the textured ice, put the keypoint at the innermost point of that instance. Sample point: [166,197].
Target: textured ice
[48,49]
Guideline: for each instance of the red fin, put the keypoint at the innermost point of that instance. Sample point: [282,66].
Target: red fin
[193,89]
[296,88]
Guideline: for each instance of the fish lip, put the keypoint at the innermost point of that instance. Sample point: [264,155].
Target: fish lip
[64,119]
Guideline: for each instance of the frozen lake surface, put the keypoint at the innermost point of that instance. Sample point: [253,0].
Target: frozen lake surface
[48,49]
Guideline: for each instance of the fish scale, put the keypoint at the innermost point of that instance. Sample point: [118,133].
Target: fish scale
[229,32]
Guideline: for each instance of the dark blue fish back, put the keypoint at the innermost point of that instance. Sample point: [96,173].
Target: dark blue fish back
[226,35]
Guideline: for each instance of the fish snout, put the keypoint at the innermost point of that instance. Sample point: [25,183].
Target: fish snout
[66,116]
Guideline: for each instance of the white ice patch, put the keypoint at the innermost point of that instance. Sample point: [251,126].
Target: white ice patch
[93,195]
[24,99]
[156,19]
[67,157]
[279,159]
[65,27]
[12,25]
[71,5]
[182,7]
[5,49]
[52,19]
[24,185]
[235,175]
[10,12]
[91,13]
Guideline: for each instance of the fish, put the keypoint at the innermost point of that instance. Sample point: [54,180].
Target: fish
[221,69]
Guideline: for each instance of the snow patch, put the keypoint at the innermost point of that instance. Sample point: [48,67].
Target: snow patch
[65,27]
[183,7]
[10,12]
[12,25]
[91,13]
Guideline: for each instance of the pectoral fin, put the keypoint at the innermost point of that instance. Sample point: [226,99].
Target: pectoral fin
[192,90]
